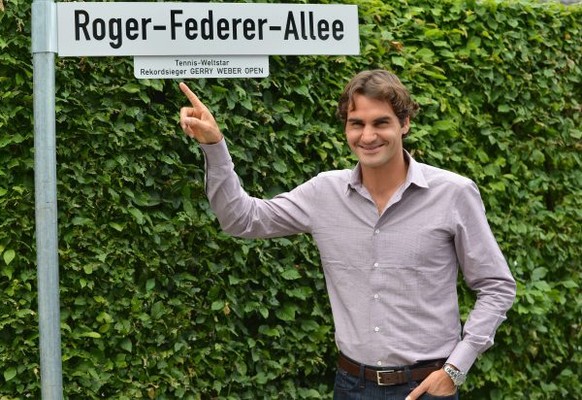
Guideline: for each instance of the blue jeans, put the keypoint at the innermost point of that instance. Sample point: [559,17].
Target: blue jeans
[348,387]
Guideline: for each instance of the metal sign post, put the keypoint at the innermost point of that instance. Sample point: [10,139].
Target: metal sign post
[44,48]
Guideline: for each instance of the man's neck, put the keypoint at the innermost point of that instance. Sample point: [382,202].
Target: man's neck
[383,182]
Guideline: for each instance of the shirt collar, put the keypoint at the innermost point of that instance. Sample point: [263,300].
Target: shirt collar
[413,176]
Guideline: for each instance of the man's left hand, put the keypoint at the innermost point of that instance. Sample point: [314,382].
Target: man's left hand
[437,384]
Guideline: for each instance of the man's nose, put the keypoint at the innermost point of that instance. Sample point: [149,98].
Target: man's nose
[368,134]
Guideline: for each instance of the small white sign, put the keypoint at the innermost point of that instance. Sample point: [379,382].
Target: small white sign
[168,28]
[180,67]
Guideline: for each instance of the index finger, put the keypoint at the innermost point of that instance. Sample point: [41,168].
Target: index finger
[194,100]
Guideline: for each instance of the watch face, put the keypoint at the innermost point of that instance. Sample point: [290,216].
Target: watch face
[456,376]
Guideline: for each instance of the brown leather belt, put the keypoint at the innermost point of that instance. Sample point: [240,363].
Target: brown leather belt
[391,376]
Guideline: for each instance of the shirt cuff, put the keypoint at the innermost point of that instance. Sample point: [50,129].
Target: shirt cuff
[216,154]
[463,357]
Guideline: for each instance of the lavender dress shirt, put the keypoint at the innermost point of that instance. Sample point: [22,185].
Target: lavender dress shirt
[391,278]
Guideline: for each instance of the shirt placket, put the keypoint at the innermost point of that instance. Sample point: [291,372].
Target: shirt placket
[377,322]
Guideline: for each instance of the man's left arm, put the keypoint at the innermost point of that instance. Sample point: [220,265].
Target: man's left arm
[486,272]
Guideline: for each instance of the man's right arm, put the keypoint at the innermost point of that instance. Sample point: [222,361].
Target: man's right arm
[238,213]
[245,216]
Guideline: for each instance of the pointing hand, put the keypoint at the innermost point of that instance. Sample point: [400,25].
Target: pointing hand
[196,121]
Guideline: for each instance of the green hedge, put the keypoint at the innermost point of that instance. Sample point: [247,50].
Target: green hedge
[157,303]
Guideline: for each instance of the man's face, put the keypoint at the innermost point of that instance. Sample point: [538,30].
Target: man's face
[373,132]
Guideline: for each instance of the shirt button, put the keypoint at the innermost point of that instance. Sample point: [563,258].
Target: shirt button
[376,265]
[379,363]
[376,329]
[377,231]
[376,296]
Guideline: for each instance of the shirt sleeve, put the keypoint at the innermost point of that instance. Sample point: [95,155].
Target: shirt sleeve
[485,271]
[245,216]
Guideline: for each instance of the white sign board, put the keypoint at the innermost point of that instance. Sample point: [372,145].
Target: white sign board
[166,67]
[156,29]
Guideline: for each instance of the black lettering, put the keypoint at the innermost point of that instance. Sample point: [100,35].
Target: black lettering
[303,35]
[207,27]
[311,26]
[291,27]
[81,26]
[248,29]
[132,26]
[114,29]
[322,29]
[235,23]
[222,29]
[115,33]
[173,23]
[99,29]
[337,29]
[262,22]
[144,30]
[253,70]
[229,71]
[191,29]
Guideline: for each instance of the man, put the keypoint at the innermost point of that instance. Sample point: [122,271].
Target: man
[392,233]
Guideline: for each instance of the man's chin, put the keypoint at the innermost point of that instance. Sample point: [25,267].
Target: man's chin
[372,164]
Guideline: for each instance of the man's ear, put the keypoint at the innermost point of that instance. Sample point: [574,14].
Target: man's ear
[405,127]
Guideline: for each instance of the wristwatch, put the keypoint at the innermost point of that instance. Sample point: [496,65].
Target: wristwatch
[456,376]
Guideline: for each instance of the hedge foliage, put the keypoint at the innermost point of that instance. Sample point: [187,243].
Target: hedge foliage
[157,303]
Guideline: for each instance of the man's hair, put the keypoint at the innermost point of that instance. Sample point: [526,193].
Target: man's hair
[380,85]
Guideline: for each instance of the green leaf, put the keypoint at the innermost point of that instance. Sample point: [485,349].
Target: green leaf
[82,221]
[474,43]
[280,166]
[132,88]
[8,272]
[217,305]
[433,33]
[127,345]
[444,125]
[399,61]
[570,284]
[291,274]
[9,374]
[287,312]
[94,335]
[138,215]
[539,273]
[302,293]
[9,256]
[425,54]
[264,312]
[116,226]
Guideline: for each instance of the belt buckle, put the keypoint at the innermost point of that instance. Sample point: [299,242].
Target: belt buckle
[379,377]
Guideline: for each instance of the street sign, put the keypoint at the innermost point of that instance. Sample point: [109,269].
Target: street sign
[181,67]
[169,28]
